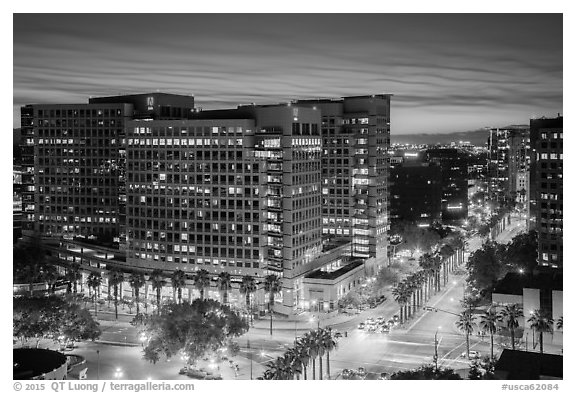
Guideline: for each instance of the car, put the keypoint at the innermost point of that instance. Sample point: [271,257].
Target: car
[380,319]
[473,354]
[384,329]
[337,335]
[347,373]
[396,318]
[391,322]
[371,328]
[361,372]
[361,325]
[370,320]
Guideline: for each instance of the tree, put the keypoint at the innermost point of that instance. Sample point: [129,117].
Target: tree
[94,282]
[312,342]
[415,237]
[202,281]
[248,286]
[400,294]
[157,281]
[510,315]
[115,278]
[49,273]
[272,285]
[329,345]
[196,330]
[224,285]
[303,354]
[522,251]
[465,323]
[178,282]
[541,323]
[489,324]
[137,281]
[73,276]
[484,266]
[28,260]
[52,316]
[427,371]
[560,323]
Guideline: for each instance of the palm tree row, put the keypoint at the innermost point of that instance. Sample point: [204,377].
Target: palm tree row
[313,345]
[412,292]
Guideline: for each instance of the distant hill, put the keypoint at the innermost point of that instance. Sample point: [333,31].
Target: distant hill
[476,137]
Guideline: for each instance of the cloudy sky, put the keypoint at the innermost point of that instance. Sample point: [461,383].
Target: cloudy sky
[447,72]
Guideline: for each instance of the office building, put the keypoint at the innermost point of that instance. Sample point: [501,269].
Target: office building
[415,193]
[546,188]
[355,171]
[453,165]
[73,162]
[230,190]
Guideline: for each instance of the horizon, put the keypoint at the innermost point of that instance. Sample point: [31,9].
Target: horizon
[446,72]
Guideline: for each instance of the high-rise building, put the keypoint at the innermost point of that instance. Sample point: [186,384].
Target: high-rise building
[546,188]
[355,171]
[508,160]
[73,162]
[230,190]
[454,172]
[415,193]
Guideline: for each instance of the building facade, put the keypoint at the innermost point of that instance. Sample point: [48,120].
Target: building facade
[416,193]
[453,165]
[73,163]
[236,191]
[546,188]
[355,171]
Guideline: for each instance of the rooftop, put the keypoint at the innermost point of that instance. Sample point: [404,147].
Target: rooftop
[528,365]
[542,278]
[323,275]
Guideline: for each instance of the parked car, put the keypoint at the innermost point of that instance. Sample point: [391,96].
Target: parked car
[347,373]
[361,325]
[396,318]
[337,335]
[361,372]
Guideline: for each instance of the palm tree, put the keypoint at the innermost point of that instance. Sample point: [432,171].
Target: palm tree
[446,252]
[115,278]
[489,323]
[178,282]
[400,296]
[510,315]
[202,281]
[303,351]
[73,275]
[157,281]
[248,286]
[51,276]
[466,324]
[94,281]
[137,281]
[295,362]
[224,285]
[312,342]
[542,324]
[560,323]
[321,349]
[329,345]
[272,285]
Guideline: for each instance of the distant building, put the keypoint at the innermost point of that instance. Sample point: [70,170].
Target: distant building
[546,188]
[453,165]
[416,193]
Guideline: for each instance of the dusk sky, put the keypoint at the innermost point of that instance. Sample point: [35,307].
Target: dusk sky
[447,72]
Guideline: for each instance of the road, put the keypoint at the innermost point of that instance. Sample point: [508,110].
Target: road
[406,347]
